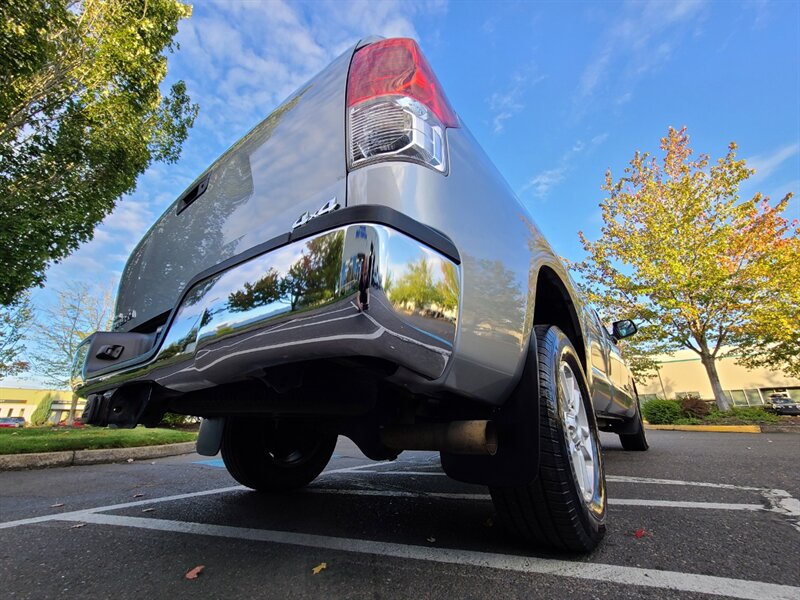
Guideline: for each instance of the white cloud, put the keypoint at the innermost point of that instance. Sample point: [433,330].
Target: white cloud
[504,105]
[490,25]
[637,42]
[623,99]
[543,182]
[766,164]
[240,59]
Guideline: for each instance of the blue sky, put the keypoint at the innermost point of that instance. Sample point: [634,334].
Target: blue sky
[556,92]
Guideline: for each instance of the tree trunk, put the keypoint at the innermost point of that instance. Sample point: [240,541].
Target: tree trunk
[73,407]
[709,362]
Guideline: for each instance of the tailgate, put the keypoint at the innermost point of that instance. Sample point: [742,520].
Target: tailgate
[293,161]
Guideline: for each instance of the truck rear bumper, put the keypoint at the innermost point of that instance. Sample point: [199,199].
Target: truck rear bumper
[362,289]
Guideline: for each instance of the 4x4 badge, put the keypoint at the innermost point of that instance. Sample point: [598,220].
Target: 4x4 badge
[330,206]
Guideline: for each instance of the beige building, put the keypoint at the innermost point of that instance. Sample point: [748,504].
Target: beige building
[21,402]
[682,373]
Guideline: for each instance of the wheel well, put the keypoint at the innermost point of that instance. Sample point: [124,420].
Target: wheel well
[553,306]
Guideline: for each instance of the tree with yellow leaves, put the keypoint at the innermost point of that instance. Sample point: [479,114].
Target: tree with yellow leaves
[699,267]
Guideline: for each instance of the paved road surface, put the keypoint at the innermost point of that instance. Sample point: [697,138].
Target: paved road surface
[719,512]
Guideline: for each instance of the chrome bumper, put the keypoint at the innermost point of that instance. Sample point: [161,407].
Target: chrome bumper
[358,290]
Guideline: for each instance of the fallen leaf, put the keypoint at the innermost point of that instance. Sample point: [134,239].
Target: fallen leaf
[195,573]
[431,539]
[56,505]
[316,570]
[138,495]
[76,526]
[640,533]
[148,509]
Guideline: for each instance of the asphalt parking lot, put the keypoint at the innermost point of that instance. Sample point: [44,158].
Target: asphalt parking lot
[701,515]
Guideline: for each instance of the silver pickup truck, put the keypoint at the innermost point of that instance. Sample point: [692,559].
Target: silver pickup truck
[355,265]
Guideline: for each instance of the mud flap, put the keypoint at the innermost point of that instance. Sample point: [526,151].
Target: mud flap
[517,458]
[209,440]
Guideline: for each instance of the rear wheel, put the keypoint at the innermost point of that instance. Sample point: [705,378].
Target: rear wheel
[637,439]
[270,457]
[565,506]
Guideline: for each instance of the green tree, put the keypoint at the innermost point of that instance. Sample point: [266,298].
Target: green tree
[262,292]
[448,286]
[771,336]
[416,287]
[42,411]
[682,253]
[314,276]
[79,312]
[15,321]
[81,116]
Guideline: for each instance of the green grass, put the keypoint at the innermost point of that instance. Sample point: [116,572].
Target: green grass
[47,439]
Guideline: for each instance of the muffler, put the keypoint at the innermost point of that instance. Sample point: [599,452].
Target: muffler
[456,437]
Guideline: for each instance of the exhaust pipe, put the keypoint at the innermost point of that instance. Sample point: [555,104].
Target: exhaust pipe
[456,437]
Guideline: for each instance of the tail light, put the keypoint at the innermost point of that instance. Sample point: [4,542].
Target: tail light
[396,109]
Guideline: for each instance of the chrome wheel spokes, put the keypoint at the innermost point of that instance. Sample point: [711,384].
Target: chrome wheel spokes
[581,444]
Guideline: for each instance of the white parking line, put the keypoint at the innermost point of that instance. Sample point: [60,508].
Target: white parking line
[433,473]
[683,504]
[652,578]
[652,481]
[68,515]
[486,497]
[779,501]
[97,509]
[279,329]
[362,492]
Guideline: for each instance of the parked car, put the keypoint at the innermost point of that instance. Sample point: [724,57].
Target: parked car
[355,265]
[782,404]
[12,422]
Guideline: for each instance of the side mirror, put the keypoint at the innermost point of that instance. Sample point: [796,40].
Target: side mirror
[623,329]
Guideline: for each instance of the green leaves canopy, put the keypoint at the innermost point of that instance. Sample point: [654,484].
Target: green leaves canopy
[702,268]
[15,320]
[81,116]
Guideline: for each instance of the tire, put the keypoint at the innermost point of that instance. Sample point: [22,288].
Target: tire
[565,507]
[636,441]
[272,458]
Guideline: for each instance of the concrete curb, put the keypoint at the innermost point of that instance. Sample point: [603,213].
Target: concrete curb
[713,428]
[780,429]
[43,460]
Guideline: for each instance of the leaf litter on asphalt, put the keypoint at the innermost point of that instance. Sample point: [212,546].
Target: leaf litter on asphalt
[319,568]
[195,573]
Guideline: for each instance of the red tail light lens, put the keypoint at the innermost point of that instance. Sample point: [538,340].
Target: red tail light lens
[395,106]
[397,67]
